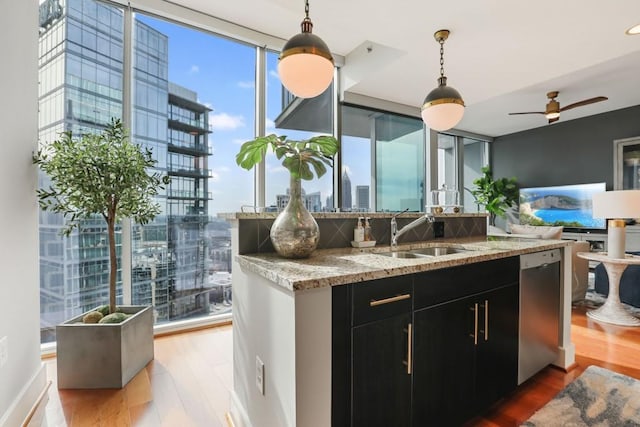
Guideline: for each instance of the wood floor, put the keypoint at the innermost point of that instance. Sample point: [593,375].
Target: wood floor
[189,381]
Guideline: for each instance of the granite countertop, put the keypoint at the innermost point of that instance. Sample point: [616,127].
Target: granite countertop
[339,215]
[332,267]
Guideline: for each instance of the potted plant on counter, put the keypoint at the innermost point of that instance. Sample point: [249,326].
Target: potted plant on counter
[105,175]
[295,232]
[495,195]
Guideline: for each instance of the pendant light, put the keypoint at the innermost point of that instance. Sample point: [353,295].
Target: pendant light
[305,65]
[443,107]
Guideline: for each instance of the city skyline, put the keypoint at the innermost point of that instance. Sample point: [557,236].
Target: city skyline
[231,118]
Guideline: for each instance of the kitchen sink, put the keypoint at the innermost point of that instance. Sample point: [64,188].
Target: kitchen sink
[403,254]
[438,250]
[424,252]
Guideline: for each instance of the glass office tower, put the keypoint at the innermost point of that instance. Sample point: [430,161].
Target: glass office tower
[81,89]
[81,79]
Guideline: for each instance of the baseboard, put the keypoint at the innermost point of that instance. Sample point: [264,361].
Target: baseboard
[237,415]
[36,415]
[566,357]
[227,417]
[26,401]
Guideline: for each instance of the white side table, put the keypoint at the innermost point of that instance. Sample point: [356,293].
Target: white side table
[612,311]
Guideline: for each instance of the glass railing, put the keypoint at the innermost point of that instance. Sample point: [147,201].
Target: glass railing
[201,148]
[189,194]
[190,170]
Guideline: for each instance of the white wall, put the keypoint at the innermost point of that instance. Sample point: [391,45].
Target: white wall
[22,377]
[291,334]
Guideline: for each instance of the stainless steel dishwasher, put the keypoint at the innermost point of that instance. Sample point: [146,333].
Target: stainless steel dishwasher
[539,312]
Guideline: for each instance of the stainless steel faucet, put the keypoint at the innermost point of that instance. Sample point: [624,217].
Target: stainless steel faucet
[395,233]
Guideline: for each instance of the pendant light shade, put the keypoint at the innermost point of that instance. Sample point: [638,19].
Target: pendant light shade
[443,107]
[305,65]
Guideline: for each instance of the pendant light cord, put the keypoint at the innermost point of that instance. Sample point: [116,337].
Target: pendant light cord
[441,57]
[306,9]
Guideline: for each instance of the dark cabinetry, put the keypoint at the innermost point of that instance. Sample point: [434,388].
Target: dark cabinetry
[468,351]
[381,378]
[381,354]
[426,349]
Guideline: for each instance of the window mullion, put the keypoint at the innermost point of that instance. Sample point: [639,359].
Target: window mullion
[126,249]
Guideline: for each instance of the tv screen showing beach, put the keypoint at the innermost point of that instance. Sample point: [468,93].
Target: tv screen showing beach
[567,205]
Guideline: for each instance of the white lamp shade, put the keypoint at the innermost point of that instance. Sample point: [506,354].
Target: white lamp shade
[442,116]
[306,75]
[617,204]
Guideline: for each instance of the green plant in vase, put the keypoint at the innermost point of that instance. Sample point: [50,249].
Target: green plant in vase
[294,233]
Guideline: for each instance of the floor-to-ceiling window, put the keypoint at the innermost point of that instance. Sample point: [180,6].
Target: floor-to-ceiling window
[460,162]
[357,133]
[81,62]
[395,180]
[400,163]
[194,102]
[297,119]
[476,156]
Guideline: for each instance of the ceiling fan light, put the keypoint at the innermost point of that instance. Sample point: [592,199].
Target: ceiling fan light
[305,65]
[443,107]
[552,115]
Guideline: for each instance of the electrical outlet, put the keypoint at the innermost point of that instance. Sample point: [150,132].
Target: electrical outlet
[4,351]
[260,375]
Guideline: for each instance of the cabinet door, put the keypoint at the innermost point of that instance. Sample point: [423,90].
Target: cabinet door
[497,349]
[443,383]
[381,376]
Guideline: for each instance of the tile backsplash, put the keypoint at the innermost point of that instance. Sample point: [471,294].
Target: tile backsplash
[336,231]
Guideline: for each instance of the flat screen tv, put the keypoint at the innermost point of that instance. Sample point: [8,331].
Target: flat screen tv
[567,205]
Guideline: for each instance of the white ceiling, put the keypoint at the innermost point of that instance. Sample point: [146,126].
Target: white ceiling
[503,56]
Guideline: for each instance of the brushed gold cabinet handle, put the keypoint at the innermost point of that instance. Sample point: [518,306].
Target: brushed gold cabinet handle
[475,323]
[486,320]
[408,362]
[376,302]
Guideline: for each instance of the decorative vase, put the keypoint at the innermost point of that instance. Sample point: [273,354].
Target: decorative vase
[295,233]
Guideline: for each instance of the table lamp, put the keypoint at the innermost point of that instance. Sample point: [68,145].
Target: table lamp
[615,206]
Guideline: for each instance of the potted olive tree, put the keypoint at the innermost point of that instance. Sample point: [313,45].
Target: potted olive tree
[101,174]
[496,195]
[294,233]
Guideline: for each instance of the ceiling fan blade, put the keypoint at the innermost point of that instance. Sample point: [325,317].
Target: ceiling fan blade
[584,102]
[554,120]
[529,112]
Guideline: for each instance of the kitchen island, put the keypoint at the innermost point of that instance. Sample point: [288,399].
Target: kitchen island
[289,336]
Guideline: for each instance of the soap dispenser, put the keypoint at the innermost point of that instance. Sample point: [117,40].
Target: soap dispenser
[358,232]
[367,230]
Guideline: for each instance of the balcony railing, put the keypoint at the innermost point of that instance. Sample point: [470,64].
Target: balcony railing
[188,171]
[189,194]
[186,147]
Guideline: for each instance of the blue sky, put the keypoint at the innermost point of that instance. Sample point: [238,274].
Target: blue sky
[222,72]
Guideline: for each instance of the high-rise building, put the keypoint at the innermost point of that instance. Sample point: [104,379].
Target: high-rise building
[362,198]
[329,203]
[312,201]
[81,80]
[188,194]
[81,62]
[347,204]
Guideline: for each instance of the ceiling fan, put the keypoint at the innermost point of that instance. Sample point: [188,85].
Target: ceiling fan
[552,111]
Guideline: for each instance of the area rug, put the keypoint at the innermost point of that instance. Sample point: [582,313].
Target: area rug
[598,397]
